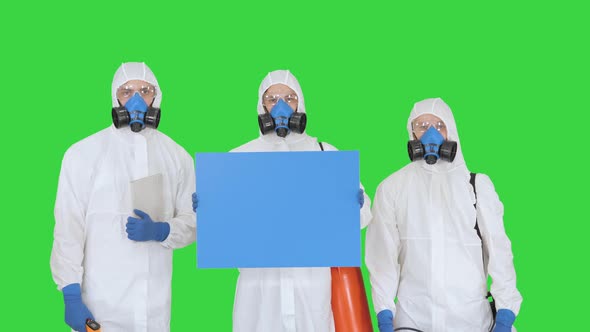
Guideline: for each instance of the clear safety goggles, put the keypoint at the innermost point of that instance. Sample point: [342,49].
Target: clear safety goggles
[126,91]
[420,127]
[270,100]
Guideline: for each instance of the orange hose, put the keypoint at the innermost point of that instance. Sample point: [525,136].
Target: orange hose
[349,301]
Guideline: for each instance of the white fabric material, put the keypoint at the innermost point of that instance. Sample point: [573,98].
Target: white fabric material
[285,299]
[281,77]
[135,71]
[125,284]
[422,248]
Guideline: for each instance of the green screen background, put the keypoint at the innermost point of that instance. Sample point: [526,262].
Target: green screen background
[514,73]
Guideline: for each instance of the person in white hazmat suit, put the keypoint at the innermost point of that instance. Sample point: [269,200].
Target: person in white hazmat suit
[285,299]
[111,266]
[422,245]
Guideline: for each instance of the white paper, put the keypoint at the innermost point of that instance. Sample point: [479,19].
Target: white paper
[147,195]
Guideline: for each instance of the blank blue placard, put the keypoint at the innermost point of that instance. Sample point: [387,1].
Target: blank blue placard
[278,209]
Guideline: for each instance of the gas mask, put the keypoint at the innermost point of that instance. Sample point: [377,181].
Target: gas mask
[137,114]
[282,119]
[432,146]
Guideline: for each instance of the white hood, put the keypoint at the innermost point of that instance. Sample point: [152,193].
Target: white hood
[135,71]
[439,108]
[280,77]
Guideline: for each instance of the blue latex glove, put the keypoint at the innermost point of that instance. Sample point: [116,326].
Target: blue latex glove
[385,321]
[76,312]
[361,197]
[195,202]
[504,320]
[145,229]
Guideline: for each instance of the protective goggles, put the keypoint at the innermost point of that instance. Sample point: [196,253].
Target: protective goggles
[420,127]
[146,91]
[271,100]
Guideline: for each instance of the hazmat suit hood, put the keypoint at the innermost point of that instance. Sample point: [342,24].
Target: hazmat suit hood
[135,71]
[439,108]
[281,77]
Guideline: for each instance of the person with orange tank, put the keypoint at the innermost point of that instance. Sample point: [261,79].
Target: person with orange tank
[290,299]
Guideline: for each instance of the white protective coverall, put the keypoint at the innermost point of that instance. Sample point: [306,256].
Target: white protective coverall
[421,245]
[125,284]
[285,299]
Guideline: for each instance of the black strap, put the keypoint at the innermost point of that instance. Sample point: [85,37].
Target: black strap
[321,146]
[490,298]
[472,181]
[489,295]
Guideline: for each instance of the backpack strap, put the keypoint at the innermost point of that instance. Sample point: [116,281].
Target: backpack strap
[321,146]
[472,182]
[489,295]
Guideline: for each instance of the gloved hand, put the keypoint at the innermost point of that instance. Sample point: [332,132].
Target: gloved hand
[504,320]
[195,202]
[145,229]
[76,312]
[385,321]
[361,197]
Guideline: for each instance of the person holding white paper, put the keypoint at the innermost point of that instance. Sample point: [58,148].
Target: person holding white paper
[121,208]
[285,299]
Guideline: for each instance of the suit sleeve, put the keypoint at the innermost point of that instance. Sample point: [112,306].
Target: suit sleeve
[490,213]
[183,224]
[67,254]
[382,247]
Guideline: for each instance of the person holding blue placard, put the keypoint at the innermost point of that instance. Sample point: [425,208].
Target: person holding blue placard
[437,233]
[285,299]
